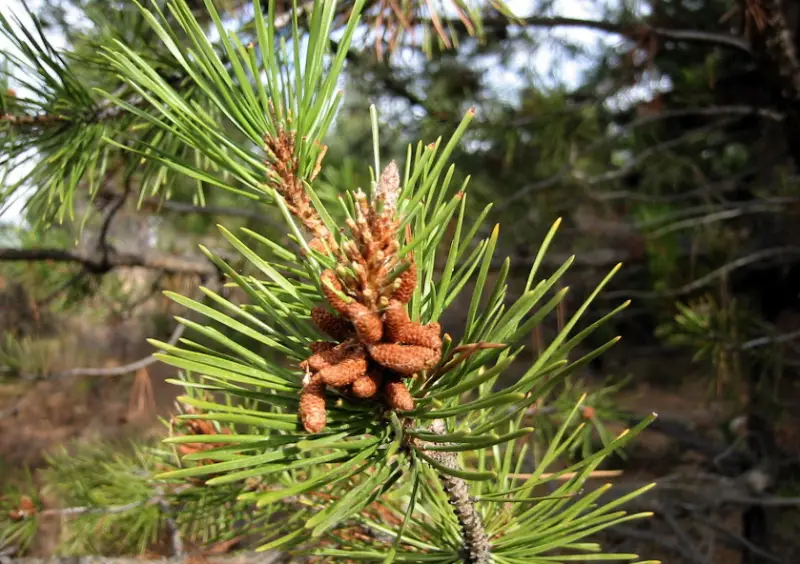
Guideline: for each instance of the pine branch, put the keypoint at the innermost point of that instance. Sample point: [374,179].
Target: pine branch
[101,265]
[780,254]
[375,349]
[185,207]
[172,527]
[633,31]
[476,542]
[769,340]
[737,541]
[104,110]
[108,110]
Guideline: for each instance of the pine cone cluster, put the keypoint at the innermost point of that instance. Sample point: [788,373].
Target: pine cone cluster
[374,342]
[371,352]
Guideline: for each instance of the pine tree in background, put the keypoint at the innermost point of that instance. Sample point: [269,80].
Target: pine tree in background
[328,412]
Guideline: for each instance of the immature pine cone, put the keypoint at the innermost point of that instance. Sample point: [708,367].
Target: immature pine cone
[404,359]
[339,329]
[397,396]
[321,346]
[368,385]
[312,405]
[325,358]
[329,279]
[400,329]
[407,284]
[344,373]
[368,324]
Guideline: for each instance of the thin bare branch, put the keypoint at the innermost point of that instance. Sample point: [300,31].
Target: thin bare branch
[769,340]
[114,370]
[690,550]
[567,171]
[715,217]
[773,501]
[633,31]
[96,264]
[774,253]
[184,207]
[634,163]
[666,541]
[767,204]
[84,510]
[737,541]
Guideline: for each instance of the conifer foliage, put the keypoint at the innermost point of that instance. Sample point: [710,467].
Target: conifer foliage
[333,415]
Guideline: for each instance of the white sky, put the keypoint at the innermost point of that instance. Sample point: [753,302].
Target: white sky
[544,63]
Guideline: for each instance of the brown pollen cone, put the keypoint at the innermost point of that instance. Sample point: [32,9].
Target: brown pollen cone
[328,280]
[25,509]
[284,164]
[318,244]
[321,346]
[368,324]
[400,329]
[368,385]
[404,359]
[200,427]
[344,373]
[326,358]
[397,395]
[407,284]
[312,406]
[331,324]
[377,347]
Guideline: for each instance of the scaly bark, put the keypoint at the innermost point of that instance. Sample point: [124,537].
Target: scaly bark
[477,549]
